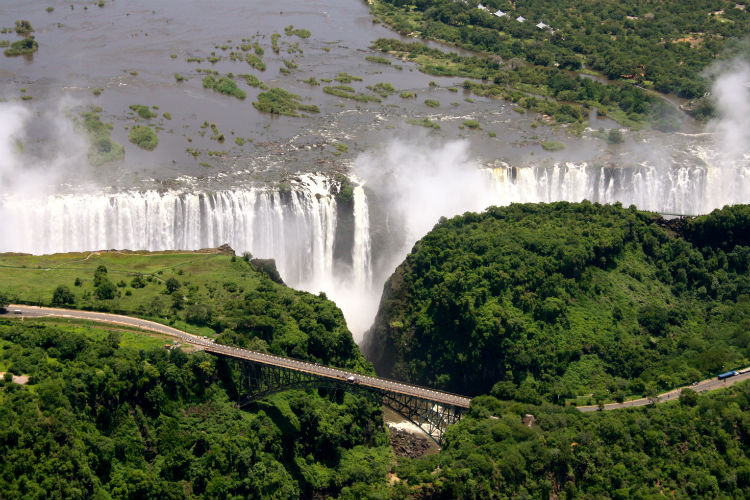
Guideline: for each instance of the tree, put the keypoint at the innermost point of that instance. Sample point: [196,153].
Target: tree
[99,275]
[62,296]
[4,301]
[106,290]
[172,285]
[688,397]
[615,136]
[138,281]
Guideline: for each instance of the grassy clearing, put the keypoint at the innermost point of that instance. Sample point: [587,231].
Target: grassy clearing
[140,279]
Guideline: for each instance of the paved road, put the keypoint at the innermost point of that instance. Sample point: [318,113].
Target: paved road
[235,352]
[702,386]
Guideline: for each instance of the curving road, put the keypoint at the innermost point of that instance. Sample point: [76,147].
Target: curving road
[439,397]
[208,345]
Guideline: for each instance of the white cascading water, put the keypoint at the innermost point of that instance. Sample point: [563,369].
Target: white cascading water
[298,232]
[361,253]
[679,190]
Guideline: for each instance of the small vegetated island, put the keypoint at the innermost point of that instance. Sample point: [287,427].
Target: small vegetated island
[103,148]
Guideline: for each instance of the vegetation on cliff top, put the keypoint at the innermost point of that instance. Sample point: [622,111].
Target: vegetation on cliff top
[234,300]
[694,448]
[549,302]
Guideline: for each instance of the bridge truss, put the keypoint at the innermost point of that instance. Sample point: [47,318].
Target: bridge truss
[260,380]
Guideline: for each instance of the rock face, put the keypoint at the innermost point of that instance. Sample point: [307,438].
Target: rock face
[378,345]
[407,444]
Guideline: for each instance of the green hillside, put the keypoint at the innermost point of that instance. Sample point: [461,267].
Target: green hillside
[549,302]
[695,448]
[98,419]
[239,301]
[110,413]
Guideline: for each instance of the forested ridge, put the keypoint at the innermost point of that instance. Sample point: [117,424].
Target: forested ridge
[101,420]
[698,447]
[549,302]
[113,414]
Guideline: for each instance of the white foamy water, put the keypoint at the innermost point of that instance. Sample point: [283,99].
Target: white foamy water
[688,190]
[295,227]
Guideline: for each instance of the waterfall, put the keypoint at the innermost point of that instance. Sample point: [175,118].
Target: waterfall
[296,227]
[689,190]
[361,258]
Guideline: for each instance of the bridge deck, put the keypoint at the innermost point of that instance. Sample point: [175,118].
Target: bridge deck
[443,398]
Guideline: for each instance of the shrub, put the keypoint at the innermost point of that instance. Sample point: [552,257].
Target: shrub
[23,27]
[143,111]
[105,150]
[22,47]
[424,122]
[280,102]
[172,285]
[432,103]
[224,85]
[106,290]
[473,124]
[144,137]
[552,146]
[615,136]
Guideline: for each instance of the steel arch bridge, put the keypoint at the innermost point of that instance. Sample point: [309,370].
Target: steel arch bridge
[431,416]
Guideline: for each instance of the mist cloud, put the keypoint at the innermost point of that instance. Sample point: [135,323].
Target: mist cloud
[731,93]
[38,149]
[424,180]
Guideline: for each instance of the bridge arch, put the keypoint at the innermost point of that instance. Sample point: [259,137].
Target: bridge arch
[261,380]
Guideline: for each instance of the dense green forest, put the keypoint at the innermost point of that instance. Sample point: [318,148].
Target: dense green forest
[698,447]
[548,302]
[102,419]
[542,302]
[98,419]
[664,45]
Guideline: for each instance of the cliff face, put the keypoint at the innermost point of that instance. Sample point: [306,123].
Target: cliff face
[379,341]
